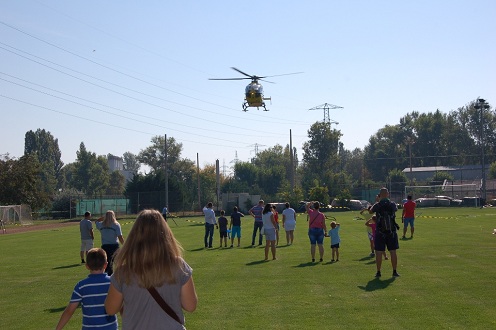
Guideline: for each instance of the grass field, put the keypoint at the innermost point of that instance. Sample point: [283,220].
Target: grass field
[448,274]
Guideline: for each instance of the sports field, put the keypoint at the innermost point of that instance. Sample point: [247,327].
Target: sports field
[448,276]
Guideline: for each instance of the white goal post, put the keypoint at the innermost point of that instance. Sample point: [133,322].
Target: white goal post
[455,191]
[16,214]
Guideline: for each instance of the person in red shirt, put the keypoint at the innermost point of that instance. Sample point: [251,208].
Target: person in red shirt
[408,216]
[276,218]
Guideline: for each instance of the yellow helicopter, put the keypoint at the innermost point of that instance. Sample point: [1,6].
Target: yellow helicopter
[254,91]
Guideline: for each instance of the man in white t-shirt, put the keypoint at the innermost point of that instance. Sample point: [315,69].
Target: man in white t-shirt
[210,222]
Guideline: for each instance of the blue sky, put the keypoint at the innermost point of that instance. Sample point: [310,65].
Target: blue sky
[113,74]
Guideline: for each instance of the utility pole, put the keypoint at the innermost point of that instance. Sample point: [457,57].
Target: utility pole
[410,141]
[166,174]
[198,177]
[291,158]
[482,105]
[326,108]
[256,145]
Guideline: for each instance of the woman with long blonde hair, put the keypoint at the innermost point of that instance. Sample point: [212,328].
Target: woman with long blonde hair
[151,258]
[111,236]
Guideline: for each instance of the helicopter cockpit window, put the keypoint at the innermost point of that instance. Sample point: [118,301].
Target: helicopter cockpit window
[254,88]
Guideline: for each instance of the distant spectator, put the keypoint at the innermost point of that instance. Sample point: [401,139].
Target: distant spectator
[289,223]
[335,240]
[111,233]
[256,212]
[316,229]
[222,221]
[87,237]
[408,216]
[235,225]
[383,240]
[269,228]
[210,222]
[276,218]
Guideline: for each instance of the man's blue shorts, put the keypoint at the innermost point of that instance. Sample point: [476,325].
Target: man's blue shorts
[236,231]
[316,235]
[407,221]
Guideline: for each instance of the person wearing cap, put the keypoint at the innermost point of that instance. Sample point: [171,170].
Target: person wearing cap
[256,212]
[87,237]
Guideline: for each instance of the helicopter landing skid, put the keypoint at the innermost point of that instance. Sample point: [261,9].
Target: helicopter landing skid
[245,107]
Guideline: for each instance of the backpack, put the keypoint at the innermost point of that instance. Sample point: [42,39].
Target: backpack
[386,215]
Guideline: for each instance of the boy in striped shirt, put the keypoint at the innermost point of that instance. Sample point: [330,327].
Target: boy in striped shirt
[91,293]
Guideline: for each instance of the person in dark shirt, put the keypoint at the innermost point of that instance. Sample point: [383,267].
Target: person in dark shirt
[235,225]
[222,222]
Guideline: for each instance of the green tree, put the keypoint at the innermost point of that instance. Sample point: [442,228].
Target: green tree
[131,162]
[247,174]
[117,184]
[492,170]
[182,179]
[154,155]
[45,148]
[208,185]
[320,151]
[337,182]
[319,193]
[273,165]
[293,196]
[439,177]
[91,173]
[20,182]
[397,180]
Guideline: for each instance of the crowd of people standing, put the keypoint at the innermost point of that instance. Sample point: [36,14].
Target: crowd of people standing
[149,269]
[266,224]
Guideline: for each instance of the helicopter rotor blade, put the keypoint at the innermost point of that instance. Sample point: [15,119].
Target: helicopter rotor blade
[271,82]
[243,73]
[284,74]
[228,78]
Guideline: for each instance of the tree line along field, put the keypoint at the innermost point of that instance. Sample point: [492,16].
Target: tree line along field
[326,170]
[447,277]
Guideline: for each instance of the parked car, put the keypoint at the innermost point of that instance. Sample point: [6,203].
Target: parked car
[301,206]
[352,204]
[365,204]
[431,202]
[453,201]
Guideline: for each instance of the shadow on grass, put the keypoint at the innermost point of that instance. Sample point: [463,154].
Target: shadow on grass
[67,266]
[256,262]
[55,310]
[308,264]
[196,250]
[377,284]
[196,224]
[254,247]
[332,262]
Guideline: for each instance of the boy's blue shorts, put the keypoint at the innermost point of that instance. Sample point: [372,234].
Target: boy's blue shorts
[236,231]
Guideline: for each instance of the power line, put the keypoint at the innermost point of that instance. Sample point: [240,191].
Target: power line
[102,123]
[116,71]
[113,114]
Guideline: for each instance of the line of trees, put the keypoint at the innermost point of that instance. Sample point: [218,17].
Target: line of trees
[327,170]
